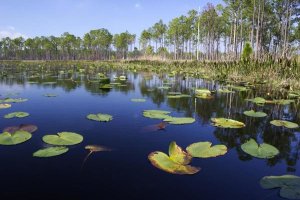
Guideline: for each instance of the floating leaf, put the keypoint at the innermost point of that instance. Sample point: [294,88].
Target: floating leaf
[178,155]
[17,137]
[63,138]
[227,123]
[289,185]
[239,88]
[225,90]
[257,100]
[202,91]
[179,120]
[16,114]
[92,149]
[50,152]
[106,86]
[138,100]
[179,96]
[23,127]
[10,100]
[252,113]
[5,105]
[100,117]
[206,150]
[284,123]
[164,162]
[281,102]
[156,114]
[259,150]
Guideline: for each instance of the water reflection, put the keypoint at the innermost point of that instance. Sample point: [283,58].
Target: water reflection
[221,105]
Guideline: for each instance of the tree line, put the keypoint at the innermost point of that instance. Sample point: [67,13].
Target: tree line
[268,28]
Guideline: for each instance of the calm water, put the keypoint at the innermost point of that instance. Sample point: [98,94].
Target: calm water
[126,173]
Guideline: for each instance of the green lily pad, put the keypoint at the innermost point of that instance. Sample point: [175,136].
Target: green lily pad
[239,88]
[164,87]
[257,100]
[138,100]
[252,113]
[10,100]
[5,105]
[225,90]
[289,185]
[176,163]
[227,123]
[284,123]
[259,150]
[17,137]
[206,150]
[63,138]
[100,117]
[50,152]
[16,114]
[281,102]
[156,114]
[178,155]
[179,120]
[106,86]
[202,91]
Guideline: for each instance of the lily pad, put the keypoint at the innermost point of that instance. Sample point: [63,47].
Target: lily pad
[225,90]
[252,113]
[284,123]
[257,100]
[202,91]
[17,137]
[289,185]
[138,100]
[206,150]
[176,163]
[259,150]
[178,155]
[10,100]
[179,120]
[100,117]
[156,114]
[227,123]
[50,152]
[5,105]
[239,88]
[281,101]
[63,138]
[23,127]
[16,114]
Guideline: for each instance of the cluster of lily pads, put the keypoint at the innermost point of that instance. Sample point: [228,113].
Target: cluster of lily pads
[164,115]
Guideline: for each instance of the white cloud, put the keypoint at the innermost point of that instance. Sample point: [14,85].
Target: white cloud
[10,32]
[137,6]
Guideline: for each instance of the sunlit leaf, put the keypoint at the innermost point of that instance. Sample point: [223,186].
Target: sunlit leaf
[17,137]
[178,155]
[100,117]
[259,150]
[257,100]
[206,150]
[50,152]
[16,114]
[63,138]
[5,105]
[164,162]
[156,114]
[284,123]
[179,120]
[289,185]
[10,100]
[227,123]
[252,113]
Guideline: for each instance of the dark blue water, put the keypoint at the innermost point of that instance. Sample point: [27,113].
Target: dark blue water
[126,173]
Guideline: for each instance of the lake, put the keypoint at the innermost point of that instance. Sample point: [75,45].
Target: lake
[125,172]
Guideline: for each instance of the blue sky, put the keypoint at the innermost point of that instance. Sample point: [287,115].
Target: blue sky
[32,18]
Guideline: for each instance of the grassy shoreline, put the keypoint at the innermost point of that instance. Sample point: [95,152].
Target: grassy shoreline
[274,74]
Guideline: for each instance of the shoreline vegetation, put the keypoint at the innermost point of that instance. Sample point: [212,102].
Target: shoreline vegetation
[281,76]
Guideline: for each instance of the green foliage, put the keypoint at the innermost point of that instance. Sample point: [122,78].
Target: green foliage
[247,52]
